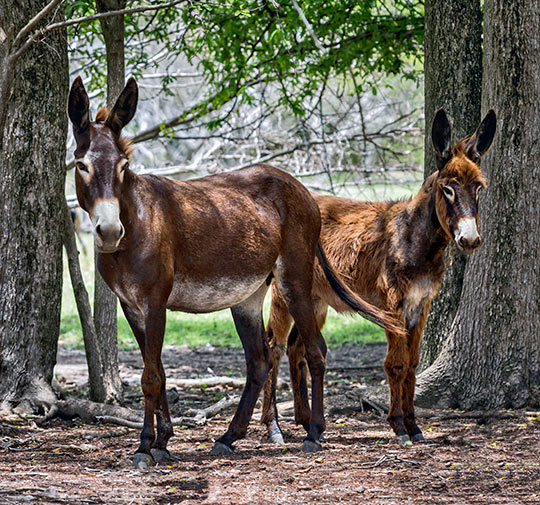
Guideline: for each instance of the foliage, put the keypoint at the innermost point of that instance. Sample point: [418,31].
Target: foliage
[238,44]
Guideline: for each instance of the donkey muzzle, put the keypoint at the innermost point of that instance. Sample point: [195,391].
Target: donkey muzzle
[466,235]
[108,229]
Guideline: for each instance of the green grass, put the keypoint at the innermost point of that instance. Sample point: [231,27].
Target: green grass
[218,330]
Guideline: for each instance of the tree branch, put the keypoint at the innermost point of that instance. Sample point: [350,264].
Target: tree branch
[63,24]
[35,21]
[308,26]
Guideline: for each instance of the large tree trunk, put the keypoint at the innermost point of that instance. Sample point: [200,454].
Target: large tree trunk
[453,80]
[32,177]
[109,390]
[491,356]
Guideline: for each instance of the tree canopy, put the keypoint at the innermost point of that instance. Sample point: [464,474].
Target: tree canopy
[238,44]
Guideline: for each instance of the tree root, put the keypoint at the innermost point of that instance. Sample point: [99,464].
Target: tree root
[91,412]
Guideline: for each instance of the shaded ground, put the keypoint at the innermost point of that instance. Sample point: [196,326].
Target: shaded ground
[466,461]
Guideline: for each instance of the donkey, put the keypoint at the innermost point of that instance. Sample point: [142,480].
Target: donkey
[391,254]
[200,246]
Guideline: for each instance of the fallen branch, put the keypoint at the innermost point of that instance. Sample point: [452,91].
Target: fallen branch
[200,417]
[369,403]
[215,409]
[234,382]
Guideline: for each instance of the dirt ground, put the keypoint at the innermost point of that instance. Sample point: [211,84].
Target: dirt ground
[466,460]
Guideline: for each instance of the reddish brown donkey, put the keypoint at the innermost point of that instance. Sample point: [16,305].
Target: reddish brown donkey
[391,254]
[200,246]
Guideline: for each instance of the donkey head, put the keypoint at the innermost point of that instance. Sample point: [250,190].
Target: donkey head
[460,179]
[102,160]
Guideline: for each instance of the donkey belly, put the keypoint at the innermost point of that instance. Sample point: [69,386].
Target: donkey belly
[197,296]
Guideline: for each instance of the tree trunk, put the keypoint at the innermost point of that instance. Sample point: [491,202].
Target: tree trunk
[453,80]
[92,347]
[32,178]
[105,302]
[491,356]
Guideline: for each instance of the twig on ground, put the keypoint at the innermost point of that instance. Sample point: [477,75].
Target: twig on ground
[25,449]
[386,458]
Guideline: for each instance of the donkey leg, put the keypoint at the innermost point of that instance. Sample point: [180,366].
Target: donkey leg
[164,425]
[294,281]
[413,342]
[316,358]
[249,324]
[409,418]
[394,366]
[315,352]
[278,327]
[299,367]
[269,415]
[151,382]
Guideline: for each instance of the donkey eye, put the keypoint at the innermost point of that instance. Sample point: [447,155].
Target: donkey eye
[81,166]
[449,193]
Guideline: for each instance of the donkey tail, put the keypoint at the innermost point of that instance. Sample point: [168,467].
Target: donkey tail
[380,317]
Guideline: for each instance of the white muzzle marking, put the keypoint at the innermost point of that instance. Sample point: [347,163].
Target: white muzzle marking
[106,218]
[466,231]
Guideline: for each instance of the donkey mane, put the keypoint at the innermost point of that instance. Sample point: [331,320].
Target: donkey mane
[124,143]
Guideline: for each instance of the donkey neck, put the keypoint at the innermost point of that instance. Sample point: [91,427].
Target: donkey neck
[421,234]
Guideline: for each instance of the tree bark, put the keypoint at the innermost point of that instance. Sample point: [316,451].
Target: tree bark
[32,176]
[491,358]
[453,80]
[105,301]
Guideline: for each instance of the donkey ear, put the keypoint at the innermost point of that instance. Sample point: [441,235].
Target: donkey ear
[79,107]
[124,108]
[441,136]
[482,139]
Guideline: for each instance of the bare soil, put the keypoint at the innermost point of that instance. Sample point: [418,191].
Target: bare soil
[480,460]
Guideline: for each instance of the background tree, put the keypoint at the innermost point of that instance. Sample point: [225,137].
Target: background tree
[105,301]
[491,356]
[453,80]
[32,178]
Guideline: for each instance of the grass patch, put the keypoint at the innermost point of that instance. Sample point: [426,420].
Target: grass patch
[217,329]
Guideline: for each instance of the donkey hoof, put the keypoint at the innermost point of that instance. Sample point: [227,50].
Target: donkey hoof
[311,446]
[404,440]
[221,449]
[418,438]
[275,437]
[162,456]
[143,461]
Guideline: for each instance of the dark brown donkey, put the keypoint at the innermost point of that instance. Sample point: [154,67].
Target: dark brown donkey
[391,254]
[200,246]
